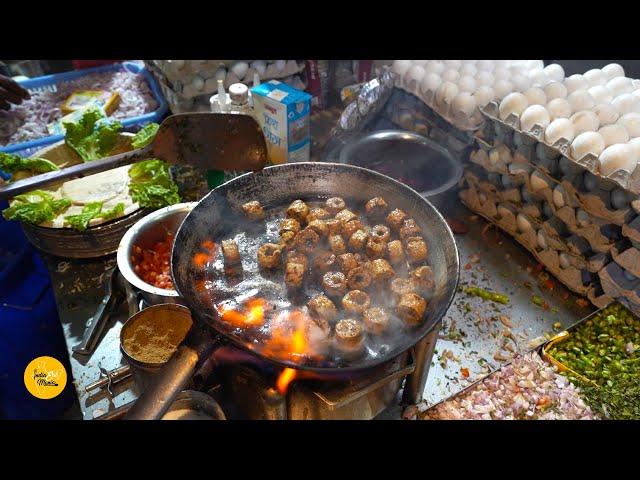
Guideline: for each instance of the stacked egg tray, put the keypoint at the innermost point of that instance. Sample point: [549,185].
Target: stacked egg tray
[409,112]
[583,227]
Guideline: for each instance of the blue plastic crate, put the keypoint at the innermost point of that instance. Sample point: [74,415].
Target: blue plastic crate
[50,82]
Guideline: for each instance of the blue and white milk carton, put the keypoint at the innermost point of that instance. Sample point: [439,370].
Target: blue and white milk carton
[283,114]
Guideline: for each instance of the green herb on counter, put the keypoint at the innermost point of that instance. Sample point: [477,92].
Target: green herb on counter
[617,399]
[88,138]
[537,300]
[35,207]
[151,185]
[145,135]
[11,163]
[486,295]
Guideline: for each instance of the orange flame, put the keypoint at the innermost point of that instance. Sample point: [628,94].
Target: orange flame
[252,315]
[285,378]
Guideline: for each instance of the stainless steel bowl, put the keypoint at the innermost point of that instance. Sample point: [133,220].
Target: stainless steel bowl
[145,233]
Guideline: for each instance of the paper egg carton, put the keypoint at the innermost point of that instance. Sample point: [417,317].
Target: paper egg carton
[625,180]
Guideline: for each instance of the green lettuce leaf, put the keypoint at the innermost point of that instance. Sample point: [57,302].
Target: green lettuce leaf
[89,139]
[35,207]
[151,185]
[11,163]
[145,135]
[116,211]
[81,221]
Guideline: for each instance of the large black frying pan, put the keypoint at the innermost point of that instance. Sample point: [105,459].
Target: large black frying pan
[218,216]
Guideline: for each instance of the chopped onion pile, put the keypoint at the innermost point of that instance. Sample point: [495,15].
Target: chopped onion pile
[29,120]
[528,388]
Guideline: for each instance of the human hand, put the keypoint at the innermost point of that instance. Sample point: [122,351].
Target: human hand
[11,92]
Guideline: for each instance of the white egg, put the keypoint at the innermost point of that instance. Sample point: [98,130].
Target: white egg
[454,64]
[420,63]
[534,115]
[626,103]
[587,143]
[523,223]
[487,65]
[613,134]
[463,105]
[580,100]
[260,66]
[555,90]
[221,74]
[450,76]
[564,260]
[502,88]
[538,182]
[501,74]
[557,129]
[617,157]
[513,103]
[198,82]
[435,66]
[595,76]
[494,157]
[482,197]
[399,67]
[613,70]
[536,96]
[445,94]
[558,197]
[542,240]
[619,85]
[467,84]
[484,78]
[631,122]
[484,95]
[503,211]
[520,82]
[635,147]
[430,83]
[585,121]
[413,78]
[280,65]
[559,108]
[240,69]
[606,113]
[600,94]
[539,78]
[575,82]
[554,72]
[468,69]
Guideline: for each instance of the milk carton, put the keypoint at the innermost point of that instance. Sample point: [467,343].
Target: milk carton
[283,114]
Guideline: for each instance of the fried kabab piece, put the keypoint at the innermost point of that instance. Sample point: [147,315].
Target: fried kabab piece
[230,253]
[352,227]
[400,286]
[253,210]
[358,240]
[334,205]
[319,226]
[306,240]
[345,216]
[416,249]
[409,229]
[337,245]
[395,252]
[318,214]
[289,225]
[380,233]
[395,219]
[298,257]
[324,261]
[287,240]
[376,248]
[349,338]
[294,274]
[269,255]
[298,210]
[334,226]
[321,306]
[411,308]
[423,278]
[347,262]
[358,278]
[381,270]
[334,284]
[356,301]
[376,208]
[376,320]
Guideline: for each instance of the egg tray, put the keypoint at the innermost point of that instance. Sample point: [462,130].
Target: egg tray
[625,180]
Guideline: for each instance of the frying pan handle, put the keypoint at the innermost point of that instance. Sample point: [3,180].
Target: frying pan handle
[172,379]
